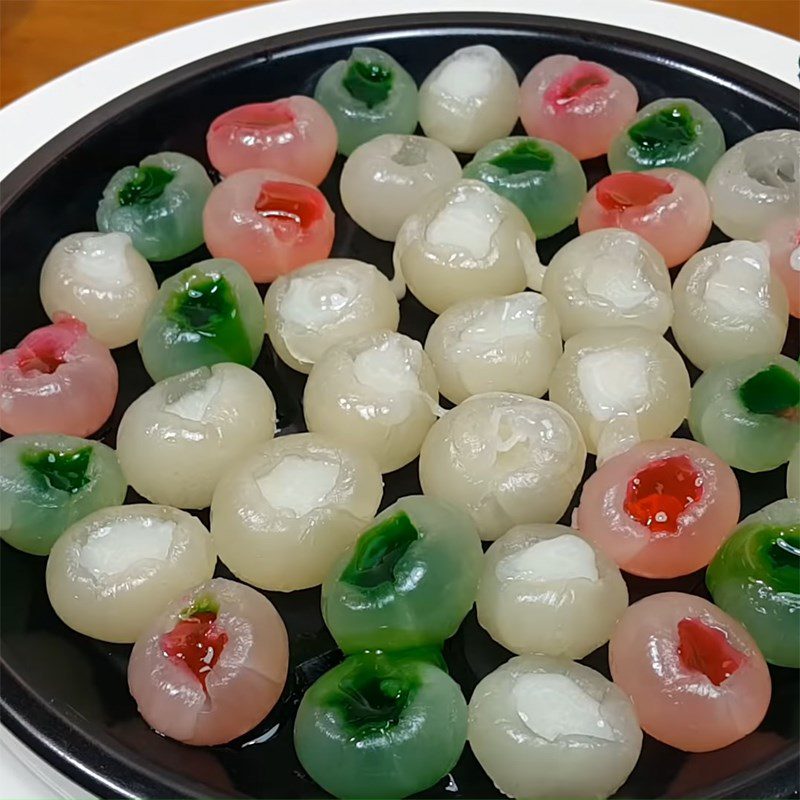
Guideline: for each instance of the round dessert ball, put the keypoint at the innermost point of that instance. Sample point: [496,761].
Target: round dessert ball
[793,475]
[783,238]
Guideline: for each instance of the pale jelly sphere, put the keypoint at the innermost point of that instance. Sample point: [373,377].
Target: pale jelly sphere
[793,475]
[783,238]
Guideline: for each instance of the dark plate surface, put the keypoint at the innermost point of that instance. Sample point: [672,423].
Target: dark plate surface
[66,695]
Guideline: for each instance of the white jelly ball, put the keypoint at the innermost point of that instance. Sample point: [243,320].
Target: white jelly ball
[793,475]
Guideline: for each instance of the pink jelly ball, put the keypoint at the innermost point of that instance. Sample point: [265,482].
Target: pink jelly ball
[694,674]
[667,207]
[270,222]
[783,238]
[58,379]
[661,509]
[578,104]
[294,135]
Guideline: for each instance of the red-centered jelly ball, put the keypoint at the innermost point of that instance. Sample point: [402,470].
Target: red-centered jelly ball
[574,84]
[706,649]
[628,189]
[196,642]
[290,207]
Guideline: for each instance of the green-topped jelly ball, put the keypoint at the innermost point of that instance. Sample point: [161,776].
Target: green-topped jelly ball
[381,725]
[206,314]
[159,204]
[367,95]
[541,178]
[408,581]
[49,481]
[755,577]
[670,132]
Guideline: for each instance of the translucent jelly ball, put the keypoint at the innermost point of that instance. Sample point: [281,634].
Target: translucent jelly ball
[755,183]
[211,666]
[498,344]
[609,278]
[377,392]
[783,239]
[268,221]
[407,582]
[100,279]
[207,313]
[748,411]
[506,458]
[667,207]
[367,95]
[58,379]
[694,674]
[755,577]
[545,589]
[159,204]
[793,474]
[49,481]
[284,513]
[661,509]
[295,135]
[541,178]
[182,435]
[469,99]
[580,105]
[729,305]
[386,179]
[465,242]
[381,725]
[621,385]
[112,572]
[544,727]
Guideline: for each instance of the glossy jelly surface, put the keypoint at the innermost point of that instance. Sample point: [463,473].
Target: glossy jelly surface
[783,239]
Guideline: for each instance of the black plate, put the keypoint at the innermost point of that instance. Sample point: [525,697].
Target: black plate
[66,695]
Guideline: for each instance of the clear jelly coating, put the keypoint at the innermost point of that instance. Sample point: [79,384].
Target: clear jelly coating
[695,675]
[102,280]
[544,727]
[211,665]
[783,239]
[58,379]
[580,105]
[268,221]
[110,573]
[285,512]
[506,458]
[182,435]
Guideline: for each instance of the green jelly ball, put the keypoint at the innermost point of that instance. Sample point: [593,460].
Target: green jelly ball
[159,204]
[381,725]
[49,481]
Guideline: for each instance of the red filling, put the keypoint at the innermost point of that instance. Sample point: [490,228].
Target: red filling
[290,207]
[195,642]
[574,84]
[706,649]
[45,349]
[258,115]
[658,494]
[627,189]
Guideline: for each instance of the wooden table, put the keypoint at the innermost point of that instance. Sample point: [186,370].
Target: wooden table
[41,39]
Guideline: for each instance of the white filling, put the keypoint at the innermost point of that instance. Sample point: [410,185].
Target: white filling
[195,405]
[794,259]
[501,320]
[467,223]
[467,74]
[387,368]
[314,302]
[564,558]
[738,285]
[101,258]
[613,381]
[614,276]
[298,484]
[120,545]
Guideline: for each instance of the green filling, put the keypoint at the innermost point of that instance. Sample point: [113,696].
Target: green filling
[147,185]
[203,605]
[774,390]
[62,470]
[370,83]
[777,547]
[668,130]
[525,156]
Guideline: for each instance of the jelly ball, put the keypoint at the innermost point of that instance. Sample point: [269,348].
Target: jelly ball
[622,386]
[545,589]
[207,313]
[386,179]
[47,482]
[661,509]
[667,207]
[100,279]
[159,204]
[269,222]
[506,458]
[755,183]
[793,474]
[295,135]
[694,674]
[283,514]
[211,666]
[783,238]
[748,411]
[498,344]
[729,305]
[58,379]
[367,95]
[580,105]
[177,440]
[112,572]
[469,99]
[465,242]
[541,178]
[544,727]
[609,278]
[755,577]
[377,392]
[408,581]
